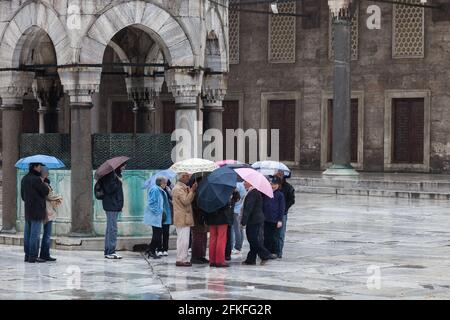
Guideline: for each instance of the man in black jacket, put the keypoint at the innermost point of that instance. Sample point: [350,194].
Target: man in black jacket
[33,192]
[113,202]
[253,220]
[289,195]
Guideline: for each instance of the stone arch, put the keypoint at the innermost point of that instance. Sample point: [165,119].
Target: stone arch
[31,16]
[158,23]
[214,29]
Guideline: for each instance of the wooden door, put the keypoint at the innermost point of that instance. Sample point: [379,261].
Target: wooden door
[168,112]
[282,117]
[230,120]
[408,130]
[122,117]
[354,130]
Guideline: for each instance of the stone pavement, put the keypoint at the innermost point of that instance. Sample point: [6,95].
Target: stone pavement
[338,247]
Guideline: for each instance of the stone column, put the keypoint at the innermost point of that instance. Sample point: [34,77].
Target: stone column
[144,91]
[13,86]
[186,88]
[341,24]
[81,84]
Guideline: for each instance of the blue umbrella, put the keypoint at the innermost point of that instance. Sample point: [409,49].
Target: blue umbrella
[169,174]
[49,161]
[216,189]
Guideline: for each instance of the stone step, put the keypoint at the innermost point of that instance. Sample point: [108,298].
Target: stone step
[85,244]
[365,184]
[374,192]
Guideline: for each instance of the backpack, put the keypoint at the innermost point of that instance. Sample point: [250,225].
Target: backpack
[98,191]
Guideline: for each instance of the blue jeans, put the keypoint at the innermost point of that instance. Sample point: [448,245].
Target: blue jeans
[282,236]
[46,240]
[31,239]
[238,233]
[111,232]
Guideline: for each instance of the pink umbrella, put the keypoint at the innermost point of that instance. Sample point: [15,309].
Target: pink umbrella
[225,162]
[109,166]
[257,180]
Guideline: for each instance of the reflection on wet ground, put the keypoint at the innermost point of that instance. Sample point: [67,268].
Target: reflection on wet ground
[338,247]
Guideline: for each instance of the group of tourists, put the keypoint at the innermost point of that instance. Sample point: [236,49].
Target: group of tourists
[263,218]
[248,212]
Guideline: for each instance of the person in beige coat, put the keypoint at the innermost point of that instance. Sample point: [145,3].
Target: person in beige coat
[182,198]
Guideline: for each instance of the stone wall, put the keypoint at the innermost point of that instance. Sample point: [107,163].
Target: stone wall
[373,73]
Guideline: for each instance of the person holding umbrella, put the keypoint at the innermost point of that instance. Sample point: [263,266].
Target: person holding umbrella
[289,196]
[34,192]
[109,177]
[157,214]
[199,232]
[182,198]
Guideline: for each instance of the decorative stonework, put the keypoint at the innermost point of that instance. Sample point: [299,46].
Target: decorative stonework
[408,29]
[214,90]
[184,85]
[13,86]
[354,36]
[234,23]
[144,91]
[282,35]
[80,83]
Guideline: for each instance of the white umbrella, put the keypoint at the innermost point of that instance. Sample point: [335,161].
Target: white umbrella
[269,168]
[194,165]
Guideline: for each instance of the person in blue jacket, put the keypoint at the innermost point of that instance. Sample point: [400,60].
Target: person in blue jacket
[274,209]
[157,213]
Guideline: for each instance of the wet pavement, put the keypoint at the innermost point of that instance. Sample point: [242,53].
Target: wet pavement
[338,247]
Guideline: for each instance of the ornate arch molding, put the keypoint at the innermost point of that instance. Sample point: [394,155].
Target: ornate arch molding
[221,36]
[158,23]
[32,15]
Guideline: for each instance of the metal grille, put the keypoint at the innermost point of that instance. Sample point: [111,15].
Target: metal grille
[234,34]
[408,31]
[146,151]
[354,37]
[52,144]
[282,32]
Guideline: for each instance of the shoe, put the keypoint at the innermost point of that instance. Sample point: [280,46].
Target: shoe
[264,262]
[113,256]
[153,255]
[40,260]
[228,258]
[49,259]
[273,257]
[280,257]
[165,254]
[222,265]
[197,261]
[26,259]
[249,263]
[236,252]
[183,264]
[205,261]
[159,253]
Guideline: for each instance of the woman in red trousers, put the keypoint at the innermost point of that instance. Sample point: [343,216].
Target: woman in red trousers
[218,225]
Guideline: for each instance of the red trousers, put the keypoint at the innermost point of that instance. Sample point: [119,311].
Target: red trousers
[217,243]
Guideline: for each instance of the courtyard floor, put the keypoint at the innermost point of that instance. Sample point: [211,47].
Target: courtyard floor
[338,247]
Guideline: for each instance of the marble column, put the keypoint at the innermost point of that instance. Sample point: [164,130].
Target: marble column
[13,86]
[186,88]
[81,84]
[213,94]
[341,157]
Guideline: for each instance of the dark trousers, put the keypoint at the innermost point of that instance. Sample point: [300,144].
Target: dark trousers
[229,246]
[256,243]
[271,237]
[156,239]
[199,244]
[165,238]
[46,240]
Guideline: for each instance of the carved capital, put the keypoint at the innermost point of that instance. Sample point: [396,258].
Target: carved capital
[13,86]
[340,10]
[80,83]
[185,85]
[144,91]
[47,92]
[214,90]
